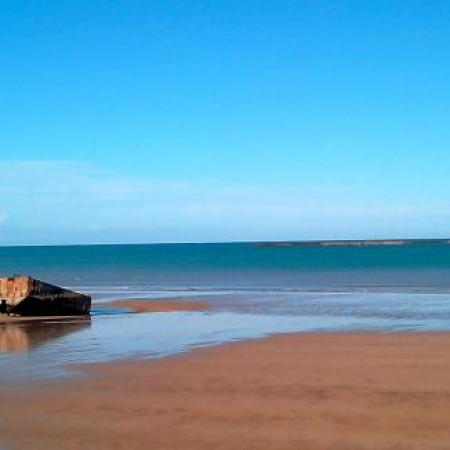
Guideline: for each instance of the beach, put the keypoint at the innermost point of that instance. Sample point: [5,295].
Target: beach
[292,391]
[232,346]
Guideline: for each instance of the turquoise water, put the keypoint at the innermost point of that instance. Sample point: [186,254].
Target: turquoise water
[232,266]
[254,291]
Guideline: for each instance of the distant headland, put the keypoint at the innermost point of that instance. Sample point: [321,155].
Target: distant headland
[357,243]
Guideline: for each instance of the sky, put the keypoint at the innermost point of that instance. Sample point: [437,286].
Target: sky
[198,121]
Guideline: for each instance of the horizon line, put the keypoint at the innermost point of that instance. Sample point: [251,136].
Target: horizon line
[266,241]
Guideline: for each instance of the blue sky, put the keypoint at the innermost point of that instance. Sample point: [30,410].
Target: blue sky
[165,121]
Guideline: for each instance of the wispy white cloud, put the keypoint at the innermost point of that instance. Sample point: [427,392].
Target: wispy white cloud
[3,217]
[74,199]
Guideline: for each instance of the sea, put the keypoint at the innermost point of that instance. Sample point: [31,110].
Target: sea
[254,290]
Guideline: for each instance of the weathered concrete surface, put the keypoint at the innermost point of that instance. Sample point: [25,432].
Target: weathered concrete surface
[26,296]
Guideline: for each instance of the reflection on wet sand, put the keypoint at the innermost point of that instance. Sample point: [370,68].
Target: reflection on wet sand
[22,337]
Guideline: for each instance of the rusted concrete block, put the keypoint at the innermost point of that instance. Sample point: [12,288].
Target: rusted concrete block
[26,296]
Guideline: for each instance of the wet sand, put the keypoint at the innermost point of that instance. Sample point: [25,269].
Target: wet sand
[165,305]
[5,319]
[311,391]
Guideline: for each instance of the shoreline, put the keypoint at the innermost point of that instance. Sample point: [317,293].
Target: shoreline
[309,391]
